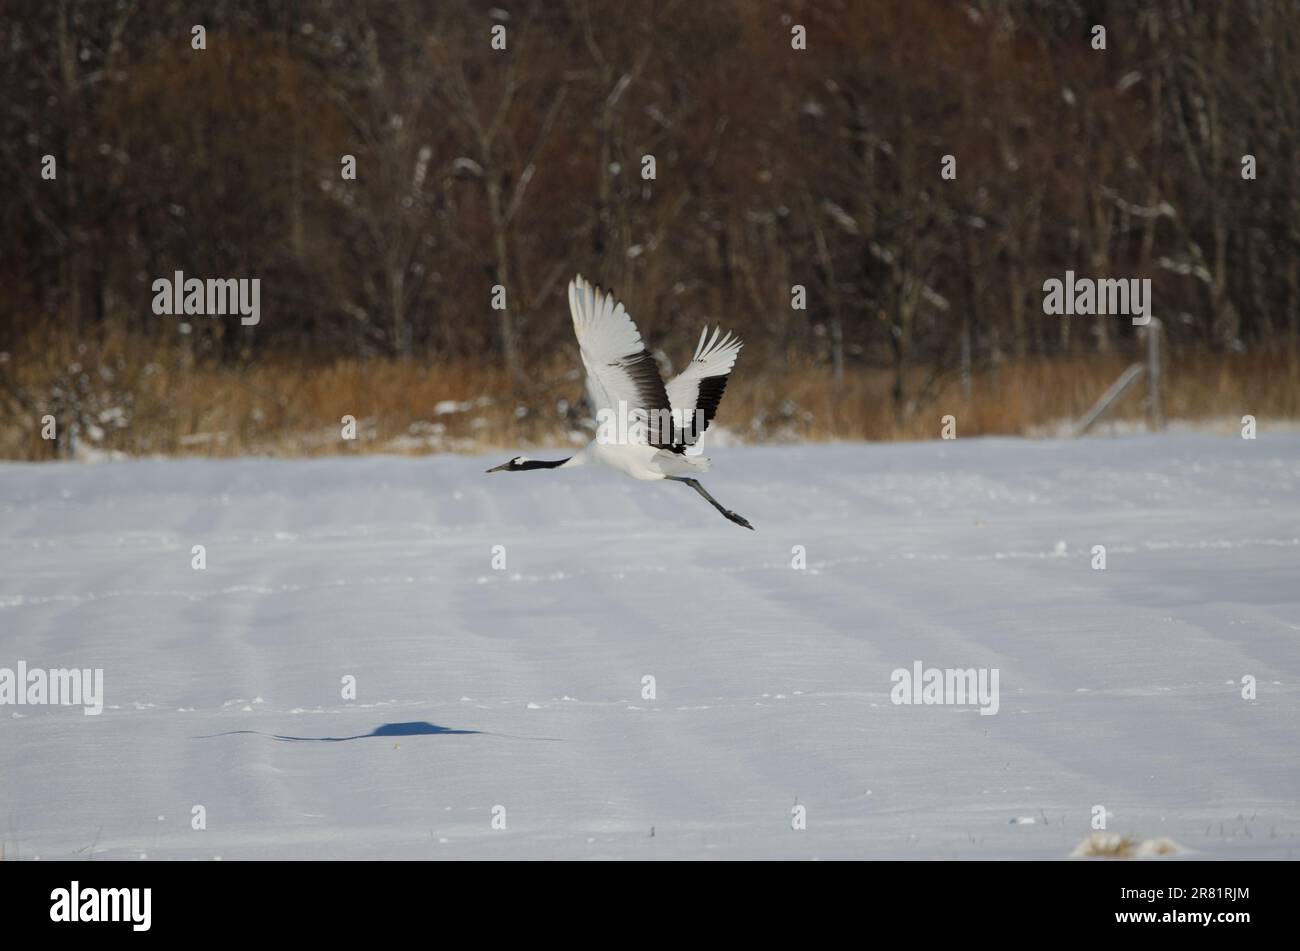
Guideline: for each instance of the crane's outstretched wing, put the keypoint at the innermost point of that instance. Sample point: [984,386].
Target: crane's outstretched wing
[622,377]
[696,392]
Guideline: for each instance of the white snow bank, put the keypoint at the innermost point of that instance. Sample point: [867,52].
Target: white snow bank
[1120,688]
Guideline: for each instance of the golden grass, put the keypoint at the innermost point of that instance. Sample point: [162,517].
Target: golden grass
[1013,399]
[1112,845]
[1106,846]
[146,397]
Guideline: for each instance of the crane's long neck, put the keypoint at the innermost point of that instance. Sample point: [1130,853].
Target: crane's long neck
[541,464]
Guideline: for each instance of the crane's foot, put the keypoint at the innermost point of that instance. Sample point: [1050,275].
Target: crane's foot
[738,519]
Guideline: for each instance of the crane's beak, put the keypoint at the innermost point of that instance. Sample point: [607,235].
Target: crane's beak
[504,465]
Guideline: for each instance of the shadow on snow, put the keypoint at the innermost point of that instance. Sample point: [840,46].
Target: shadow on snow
[416,728]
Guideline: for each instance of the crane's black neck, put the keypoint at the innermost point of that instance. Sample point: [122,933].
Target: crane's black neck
[541,464]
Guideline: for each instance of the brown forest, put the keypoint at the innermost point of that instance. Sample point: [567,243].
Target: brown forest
[773,167]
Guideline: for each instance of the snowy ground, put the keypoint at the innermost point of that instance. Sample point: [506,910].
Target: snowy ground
[522,688]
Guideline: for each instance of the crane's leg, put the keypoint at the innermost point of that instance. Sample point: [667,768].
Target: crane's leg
[726,513]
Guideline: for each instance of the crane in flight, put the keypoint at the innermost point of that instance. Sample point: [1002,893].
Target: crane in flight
[645,429]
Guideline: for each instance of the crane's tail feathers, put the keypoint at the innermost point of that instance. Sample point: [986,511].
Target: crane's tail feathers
[682,464]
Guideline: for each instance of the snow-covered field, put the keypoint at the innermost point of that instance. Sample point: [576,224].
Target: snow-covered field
[523,687]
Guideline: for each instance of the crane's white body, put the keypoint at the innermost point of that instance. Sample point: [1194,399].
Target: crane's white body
[638,461]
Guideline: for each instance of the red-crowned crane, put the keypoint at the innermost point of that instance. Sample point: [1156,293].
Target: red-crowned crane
[645,429]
